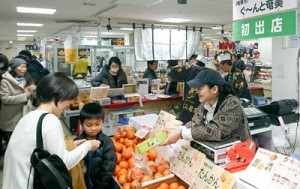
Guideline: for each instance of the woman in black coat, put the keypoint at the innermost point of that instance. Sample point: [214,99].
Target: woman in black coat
[111,74]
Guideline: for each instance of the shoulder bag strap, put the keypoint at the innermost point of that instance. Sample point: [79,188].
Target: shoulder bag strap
[39,137]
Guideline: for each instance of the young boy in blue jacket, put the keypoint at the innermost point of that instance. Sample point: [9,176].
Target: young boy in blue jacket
[102,162]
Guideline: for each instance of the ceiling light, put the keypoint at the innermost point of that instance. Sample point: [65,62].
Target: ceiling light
[127,29]
[26,31]
[30,24]
[216,28]
[24,35]
[175,20]
[182,1]
[90,36]
[207,37]
[110,33]
[35,10]
[21,38]
[108,26]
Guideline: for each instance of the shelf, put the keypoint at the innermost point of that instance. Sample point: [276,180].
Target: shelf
[260,130]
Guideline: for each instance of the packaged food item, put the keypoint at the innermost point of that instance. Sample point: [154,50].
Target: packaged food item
[152,142]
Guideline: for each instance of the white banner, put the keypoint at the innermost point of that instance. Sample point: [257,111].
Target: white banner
[243,9]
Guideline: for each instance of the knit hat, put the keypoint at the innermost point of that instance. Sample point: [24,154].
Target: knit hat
[26,53]
[16,62]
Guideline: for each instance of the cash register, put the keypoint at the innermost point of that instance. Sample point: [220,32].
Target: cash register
[257,118]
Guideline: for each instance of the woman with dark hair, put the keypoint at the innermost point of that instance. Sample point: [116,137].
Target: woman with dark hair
[16,89]
[111,74]
[220,115]
[54,93]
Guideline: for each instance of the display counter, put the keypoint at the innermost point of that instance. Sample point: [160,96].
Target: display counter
[70,117]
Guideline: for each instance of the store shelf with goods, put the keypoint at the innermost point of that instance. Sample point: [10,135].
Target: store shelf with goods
[262,75]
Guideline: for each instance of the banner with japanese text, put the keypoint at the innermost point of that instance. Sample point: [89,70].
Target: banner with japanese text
[280,24]
[243,9]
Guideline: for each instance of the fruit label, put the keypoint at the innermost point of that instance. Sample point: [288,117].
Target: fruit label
[213,177]
[187,164]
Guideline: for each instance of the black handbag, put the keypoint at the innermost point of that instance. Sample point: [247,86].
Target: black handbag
[50,172]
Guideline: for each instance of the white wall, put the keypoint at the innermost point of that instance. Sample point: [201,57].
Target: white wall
[11,50]
[264,47]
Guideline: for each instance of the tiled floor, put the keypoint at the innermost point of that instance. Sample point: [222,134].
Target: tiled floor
[66,130]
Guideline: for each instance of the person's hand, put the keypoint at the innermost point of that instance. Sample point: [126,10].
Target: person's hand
[173,135]
[95,144]
[32,88]
[78,142]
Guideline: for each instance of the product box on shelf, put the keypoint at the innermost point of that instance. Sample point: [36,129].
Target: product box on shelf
[132,97]
[102,101]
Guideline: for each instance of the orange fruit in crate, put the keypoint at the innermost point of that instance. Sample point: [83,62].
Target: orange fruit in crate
[119,157]
[124,164]
[122,179]
[124,134]
[181,187]
[122,171]
[117,136]
[121,140]
[164,185]
[127,153]
[129,143]
[118,147]
[152,154]
[130,134]
[135,184]
[174,185]
[160,168]
[166,172]
[126,185]
[153,169]
[146,178]
[117,169]
[128,176]
[132,161]
[137,174]
[157,175]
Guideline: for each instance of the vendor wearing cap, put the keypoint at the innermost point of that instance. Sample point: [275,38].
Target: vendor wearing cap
[16,89]
[219,116]
[235,77]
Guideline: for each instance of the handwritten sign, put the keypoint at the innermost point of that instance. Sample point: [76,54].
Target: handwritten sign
[187,164]
[213,177]
[164,120]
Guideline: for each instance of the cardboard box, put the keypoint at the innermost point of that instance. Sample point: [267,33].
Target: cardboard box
[132,97]
[259,100]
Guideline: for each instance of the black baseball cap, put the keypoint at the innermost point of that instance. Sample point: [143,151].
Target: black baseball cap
[207,76]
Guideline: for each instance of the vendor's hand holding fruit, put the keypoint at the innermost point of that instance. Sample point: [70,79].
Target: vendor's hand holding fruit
[173,135]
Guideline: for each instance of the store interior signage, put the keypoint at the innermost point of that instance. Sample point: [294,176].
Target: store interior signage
[187,164]
[243,9]
[280,24]
[213,176]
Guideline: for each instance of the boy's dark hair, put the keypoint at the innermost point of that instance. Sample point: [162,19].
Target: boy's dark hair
[26,53]
[193,57]
[91,111]
[151,62]
[56,86]
[229,62]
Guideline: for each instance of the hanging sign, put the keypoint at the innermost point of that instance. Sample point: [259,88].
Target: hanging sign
[280,24]
[187,164]
[213,176]
[243,9]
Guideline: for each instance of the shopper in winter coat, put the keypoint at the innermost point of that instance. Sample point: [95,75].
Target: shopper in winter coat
[16,89]
[35,68]
[111,74]
[102,162]
[54,93]
[219,116]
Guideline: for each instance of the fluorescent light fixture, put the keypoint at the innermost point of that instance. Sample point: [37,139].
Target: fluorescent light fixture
[30,24]
[127,29]
[24,35]
[110,33]
[175,20]
[90,36]
[35,10]
[21,38]
[26,31]
[207,37]
[216,28]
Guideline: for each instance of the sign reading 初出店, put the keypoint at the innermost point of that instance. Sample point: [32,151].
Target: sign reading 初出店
[279,24]
[243,9]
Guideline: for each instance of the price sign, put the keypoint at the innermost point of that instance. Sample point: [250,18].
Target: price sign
[214,177]
[187,164]
[164,120]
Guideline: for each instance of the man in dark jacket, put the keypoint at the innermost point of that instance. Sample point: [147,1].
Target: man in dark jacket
[101,163]
[150,71]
